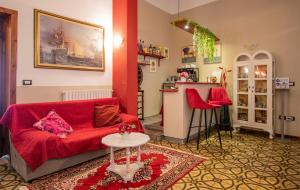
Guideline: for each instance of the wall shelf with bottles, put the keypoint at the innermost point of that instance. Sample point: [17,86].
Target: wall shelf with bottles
[151,55]
[253,91]
[143,64]
[158,57]
[151,51]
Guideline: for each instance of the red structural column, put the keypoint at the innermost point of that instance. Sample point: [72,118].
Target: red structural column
[125,56]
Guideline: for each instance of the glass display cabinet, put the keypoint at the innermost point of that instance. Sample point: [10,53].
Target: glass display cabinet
[253,91]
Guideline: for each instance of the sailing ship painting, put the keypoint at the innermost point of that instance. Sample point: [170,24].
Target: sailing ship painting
[66,43]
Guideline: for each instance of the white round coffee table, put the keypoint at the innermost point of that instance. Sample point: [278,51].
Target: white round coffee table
[116,140]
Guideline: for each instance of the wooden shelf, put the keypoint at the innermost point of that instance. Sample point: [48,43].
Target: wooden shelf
[151,55]
[143,64]
[159,57]
[182,23]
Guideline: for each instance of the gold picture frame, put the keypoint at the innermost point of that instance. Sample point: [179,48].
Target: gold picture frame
[66,43]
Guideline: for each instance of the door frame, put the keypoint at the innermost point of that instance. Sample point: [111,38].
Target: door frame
[11,54]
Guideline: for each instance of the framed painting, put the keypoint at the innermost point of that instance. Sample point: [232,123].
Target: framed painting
[65,43]
[153,65]
[166,53]
[188,54]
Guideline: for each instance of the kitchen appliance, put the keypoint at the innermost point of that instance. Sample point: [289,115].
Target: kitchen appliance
[193,73]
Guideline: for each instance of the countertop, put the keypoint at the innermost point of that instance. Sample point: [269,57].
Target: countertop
[208,83]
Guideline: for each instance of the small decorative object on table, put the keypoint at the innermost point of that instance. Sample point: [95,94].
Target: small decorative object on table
[125,129]
[183,76]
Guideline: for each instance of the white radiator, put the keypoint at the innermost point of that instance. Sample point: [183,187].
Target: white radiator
[86,94]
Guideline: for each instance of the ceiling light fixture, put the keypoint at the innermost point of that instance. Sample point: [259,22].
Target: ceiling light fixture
[187,25]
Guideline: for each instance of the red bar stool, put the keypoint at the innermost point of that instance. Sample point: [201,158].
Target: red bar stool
[196,102]
[219,96]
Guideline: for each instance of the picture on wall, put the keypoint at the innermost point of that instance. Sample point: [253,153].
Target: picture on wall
[217,55]
[166,53]
[65,43]
[153,65]
[188,54]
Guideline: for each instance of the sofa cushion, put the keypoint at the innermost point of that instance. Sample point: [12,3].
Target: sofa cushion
[107,115]
[55,124]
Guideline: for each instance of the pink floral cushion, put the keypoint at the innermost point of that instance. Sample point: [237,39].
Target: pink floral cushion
[53,123]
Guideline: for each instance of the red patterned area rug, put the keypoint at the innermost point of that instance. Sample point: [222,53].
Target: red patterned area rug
[162,168]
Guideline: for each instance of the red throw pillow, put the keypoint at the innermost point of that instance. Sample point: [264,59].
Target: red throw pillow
[107,115]
[53,123]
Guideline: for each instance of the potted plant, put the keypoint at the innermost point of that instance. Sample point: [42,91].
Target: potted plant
[204,41]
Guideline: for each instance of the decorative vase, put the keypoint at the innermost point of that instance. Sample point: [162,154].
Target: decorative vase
[182,79]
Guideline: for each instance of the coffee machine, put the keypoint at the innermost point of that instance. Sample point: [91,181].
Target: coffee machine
[193,73]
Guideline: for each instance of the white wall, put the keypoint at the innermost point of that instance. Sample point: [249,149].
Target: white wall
[93,11]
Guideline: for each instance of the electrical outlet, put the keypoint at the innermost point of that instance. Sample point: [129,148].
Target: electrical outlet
[27,82]
[290,118]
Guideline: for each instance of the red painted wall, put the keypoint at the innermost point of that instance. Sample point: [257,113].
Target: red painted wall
[125,57]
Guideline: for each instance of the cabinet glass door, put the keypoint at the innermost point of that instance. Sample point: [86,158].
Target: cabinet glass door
[261,86]
[242,86]
[242,114]
[260,71]
[260,96]
[243,72]
[243,93]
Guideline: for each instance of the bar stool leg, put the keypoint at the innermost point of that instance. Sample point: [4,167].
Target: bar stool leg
[199,129]
[205,120]
[191,123]
[218,126]
[230,126]
[210,123]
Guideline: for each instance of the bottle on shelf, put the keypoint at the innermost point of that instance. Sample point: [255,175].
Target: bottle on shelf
[151,49]
[154,50]
[140,46]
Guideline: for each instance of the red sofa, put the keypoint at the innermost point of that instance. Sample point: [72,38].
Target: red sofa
[36,147]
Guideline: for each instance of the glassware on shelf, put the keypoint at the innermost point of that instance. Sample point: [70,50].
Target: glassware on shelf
[260,101]
[243,114]
[243,86]
[260,71]
[243,100]
[261,116]
[261,86]
[243,72]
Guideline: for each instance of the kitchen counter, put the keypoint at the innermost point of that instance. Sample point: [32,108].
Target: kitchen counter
[177,113]
[204,83]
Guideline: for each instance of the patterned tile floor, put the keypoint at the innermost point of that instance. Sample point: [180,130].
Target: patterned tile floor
[248,161]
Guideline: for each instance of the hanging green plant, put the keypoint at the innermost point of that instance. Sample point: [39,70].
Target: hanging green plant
[204,41]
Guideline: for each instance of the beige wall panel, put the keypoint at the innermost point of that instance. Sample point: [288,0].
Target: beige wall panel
[30,94]
[154,27]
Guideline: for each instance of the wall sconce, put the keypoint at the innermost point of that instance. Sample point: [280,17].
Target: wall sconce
[118,40]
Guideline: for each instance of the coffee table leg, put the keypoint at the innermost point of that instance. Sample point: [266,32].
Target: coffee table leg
[128,160]
[112,159]
[139,155]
